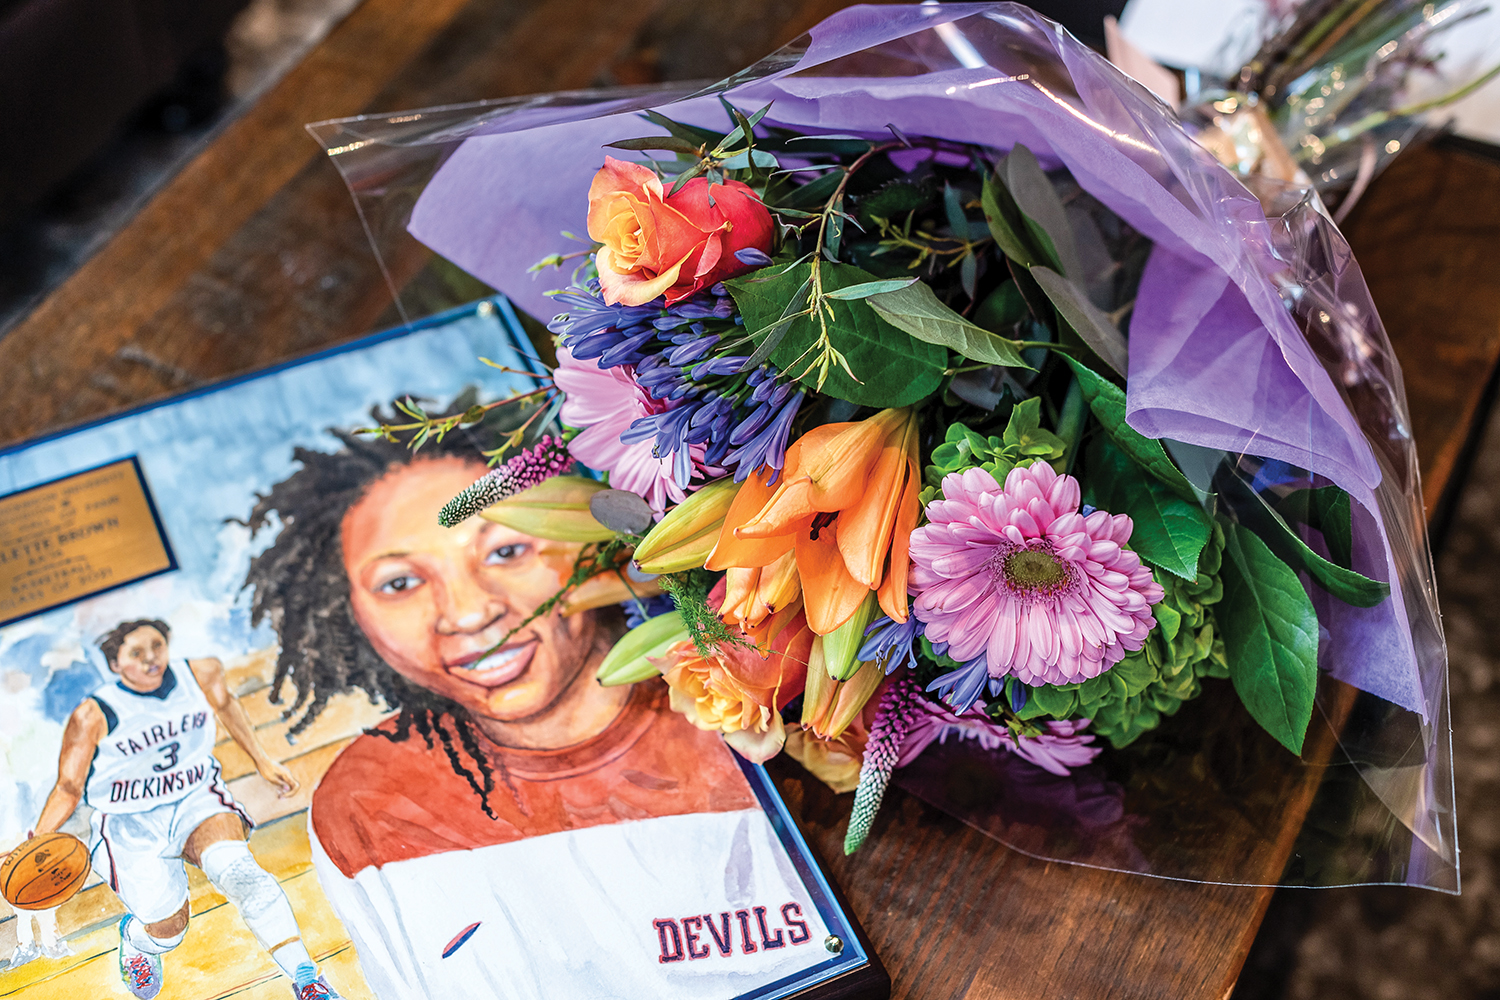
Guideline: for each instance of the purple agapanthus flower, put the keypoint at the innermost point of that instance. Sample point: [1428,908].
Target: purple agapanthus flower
[961,688]
[743,419]
[639,610]
[891,643]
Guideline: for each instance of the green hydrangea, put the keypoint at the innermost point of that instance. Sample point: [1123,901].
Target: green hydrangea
[1025,441]
[1131,697]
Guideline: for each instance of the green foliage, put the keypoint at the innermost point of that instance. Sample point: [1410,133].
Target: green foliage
[1002,309]
[1084,318]
[1132,697]
[1018,238]
[1107,400]
[1271,636]
[882,366]
[1169,531]
[894,200]
[1340,581]
[689,593]
[1041,210]
[1025,441]
[918,311]
[1326,509]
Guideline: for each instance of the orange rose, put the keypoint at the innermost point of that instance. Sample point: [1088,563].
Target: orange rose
[836,763]
[659,245]
[738,691]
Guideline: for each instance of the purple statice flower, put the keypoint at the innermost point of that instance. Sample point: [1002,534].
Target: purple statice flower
[891,643]
[898,710]
[1061,746]
[547,458]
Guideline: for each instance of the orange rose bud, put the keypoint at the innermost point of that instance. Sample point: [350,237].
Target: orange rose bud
[674,245]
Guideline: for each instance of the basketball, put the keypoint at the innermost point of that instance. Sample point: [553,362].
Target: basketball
[44,871]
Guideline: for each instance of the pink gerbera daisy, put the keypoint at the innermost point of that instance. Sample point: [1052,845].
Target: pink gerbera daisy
[605,402]
[1016,574]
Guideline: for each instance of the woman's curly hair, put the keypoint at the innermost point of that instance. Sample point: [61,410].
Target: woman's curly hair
[300,587]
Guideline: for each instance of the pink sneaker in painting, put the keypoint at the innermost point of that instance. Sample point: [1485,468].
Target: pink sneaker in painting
[141,972]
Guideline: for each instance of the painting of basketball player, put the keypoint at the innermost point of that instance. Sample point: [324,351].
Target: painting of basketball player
[139,751]
[513,829]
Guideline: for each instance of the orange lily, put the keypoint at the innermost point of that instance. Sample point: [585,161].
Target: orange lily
[845,510]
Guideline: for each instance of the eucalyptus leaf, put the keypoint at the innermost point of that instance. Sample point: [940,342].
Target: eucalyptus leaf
[814,193]
[1031,293]
[835,231]
[954,209]
[622,511]
[1087,319]
[774,334]
[669,143]
[1042,209]
[743,159]
[890,367]
[1006,223]
[869,288]
[1107,401]
[917,310]
[1169,531]
[1270,637]
[697,136]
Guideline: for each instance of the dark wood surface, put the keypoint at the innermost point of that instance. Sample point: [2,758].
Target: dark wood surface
[253,254]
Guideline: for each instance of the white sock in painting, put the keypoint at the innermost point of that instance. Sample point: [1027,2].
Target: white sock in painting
[259,898]
[137,935]
[290,957]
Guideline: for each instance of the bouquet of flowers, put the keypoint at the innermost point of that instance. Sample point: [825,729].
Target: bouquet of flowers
[939,387]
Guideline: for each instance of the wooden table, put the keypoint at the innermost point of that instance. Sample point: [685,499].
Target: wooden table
[253,254]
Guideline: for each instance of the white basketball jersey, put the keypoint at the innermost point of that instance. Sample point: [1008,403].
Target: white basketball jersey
[159,746]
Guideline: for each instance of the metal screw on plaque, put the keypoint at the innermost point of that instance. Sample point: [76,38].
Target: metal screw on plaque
[833,944]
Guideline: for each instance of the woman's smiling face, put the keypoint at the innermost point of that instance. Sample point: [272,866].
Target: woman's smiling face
[434,600]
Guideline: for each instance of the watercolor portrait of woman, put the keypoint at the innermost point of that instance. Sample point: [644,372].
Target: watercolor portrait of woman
[513,828]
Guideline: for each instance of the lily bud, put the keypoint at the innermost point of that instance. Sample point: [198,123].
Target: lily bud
[830,706]
[556,509]
[841,646]
[753,595]
[630,659]
[603,590]
[684,538]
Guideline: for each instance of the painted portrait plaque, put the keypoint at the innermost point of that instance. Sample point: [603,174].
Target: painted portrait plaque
[245,666]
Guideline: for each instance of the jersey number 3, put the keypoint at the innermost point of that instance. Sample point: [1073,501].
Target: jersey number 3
[171,749]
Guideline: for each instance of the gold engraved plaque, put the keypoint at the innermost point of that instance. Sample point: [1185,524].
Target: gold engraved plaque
[78,536]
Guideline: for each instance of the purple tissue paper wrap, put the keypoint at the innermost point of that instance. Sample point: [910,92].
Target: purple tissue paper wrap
[1216,358]
[1251,334]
